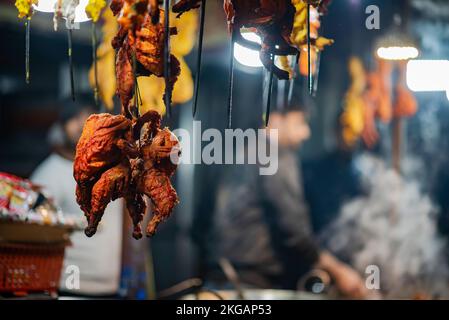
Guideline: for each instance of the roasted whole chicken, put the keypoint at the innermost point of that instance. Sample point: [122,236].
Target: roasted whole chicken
[140,43]
[272,21]
[114,159]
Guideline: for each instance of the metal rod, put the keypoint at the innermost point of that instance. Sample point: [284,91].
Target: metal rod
[27,50]
[136,95]
[317,75]
[309,57]
[270,91]
[292,81]
[94,58]
[72,81]
[198,61]
[231,82]
[167,58]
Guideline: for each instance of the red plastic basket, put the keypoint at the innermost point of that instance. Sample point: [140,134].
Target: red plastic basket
[26,268]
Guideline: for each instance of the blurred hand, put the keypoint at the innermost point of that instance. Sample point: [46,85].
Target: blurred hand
[350,283]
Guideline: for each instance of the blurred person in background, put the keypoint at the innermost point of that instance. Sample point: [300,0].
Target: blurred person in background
[98,258]
[262,224]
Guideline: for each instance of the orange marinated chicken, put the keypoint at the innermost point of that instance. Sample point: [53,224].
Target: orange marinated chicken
[405,104]
[110,164]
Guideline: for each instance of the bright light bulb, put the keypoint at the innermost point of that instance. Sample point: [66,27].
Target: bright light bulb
[245,56]
[397,53]
[45,6]
[428,75]
[49,6]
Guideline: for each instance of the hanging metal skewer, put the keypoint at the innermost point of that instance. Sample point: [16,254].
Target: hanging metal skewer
[167,58]
[198,61]
[135,111]
[270,91]
[72,82]
[231,81]
[317,74]
[309,57]
[94,58]
[291,83]
[27,50]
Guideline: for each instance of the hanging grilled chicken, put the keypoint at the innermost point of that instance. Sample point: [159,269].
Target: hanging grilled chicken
[272,21]
[129,156]
[110,164]
[140,53]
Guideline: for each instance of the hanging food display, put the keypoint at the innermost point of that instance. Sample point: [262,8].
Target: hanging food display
[140,52]
[271,20]
[370,98]
[300,39]
[130,155]
[113,160]
[25,9]
[352,120]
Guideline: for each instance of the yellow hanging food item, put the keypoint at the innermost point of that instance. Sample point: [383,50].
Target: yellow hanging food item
[94,8]
[299,35]
[25,8]
[106,62]
[152,88]
[352,119]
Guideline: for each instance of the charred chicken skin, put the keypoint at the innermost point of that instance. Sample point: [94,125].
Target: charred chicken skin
[273,22]
[157,169]
[110,164]
[146,44]
[100,163]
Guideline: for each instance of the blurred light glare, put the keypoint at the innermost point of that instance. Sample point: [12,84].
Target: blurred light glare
[397,53]
[45,6]
[245,56]
[428,75]
[49,6]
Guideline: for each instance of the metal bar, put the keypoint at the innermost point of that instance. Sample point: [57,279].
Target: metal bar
[270,91]
[231,82]
[167,57]
[72,81]
[94,58]
[27,50]
[199,56]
